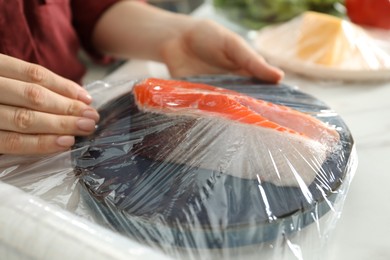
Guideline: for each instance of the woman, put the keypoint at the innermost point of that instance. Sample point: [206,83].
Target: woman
[42,107]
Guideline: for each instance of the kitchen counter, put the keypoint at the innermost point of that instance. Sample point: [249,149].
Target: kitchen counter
[362,230]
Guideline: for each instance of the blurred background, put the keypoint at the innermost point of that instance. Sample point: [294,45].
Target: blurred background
[181,6]
[250,15]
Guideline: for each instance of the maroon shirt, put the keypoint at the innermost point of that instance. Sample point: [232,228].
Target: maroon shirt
[49,32]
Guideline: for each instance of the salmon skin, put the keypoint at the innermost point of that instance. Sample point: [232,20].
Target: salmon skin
[241,136]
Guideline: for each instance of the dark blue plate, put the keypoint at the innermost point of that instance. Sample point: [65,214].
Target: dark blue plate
[133,190]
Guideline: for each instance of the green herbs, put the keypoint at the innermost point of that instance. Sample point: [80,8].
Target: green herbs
[255,14]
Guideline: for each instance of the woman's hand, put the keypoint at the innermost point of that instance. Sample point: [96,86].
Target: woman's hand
[188,46]
[40,112]
[204,47]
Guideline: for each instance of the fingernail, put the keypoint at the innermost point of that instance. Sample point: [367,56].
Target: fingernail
[91,114]
[281,72]
[65,141]
[86,124]
[84,96]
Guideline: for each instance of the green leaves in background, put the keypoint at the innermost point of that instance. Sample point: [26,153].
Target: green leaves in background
[255,14]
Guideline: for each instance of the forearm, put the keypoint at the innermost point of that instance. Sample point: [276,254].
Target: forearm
[130,29]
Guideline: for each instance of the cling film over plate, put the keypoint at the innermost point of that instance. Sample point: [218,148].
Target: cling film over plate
[326,47]
[220,167]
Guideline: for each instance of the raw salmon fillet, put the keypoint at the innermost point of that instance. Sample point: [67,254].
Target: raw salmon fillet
[239,135]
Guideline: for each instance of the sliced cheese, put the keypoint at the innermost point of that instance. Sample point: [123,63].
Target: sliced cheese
[322,39]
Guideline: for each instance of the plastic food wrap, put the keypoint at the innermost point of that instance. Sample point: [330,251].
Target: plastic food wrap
[189,170]
[326,47]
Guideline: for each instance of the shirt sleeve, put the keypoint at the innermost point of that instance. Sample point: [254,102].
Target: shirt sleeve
[85,14]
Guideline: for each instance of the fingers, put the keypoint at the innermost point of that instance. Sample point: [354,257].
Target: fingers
[208,48]
[23,120]
[40,111]
[248,60]
[25,131]
[32,96]
[27,72]
[23,144]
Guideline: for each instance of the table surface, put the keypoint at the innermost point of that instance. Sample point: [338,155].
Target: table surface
[362,230]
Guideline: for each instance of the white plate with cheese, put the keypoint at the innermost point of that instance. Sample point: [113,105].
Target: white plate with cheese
[323,46]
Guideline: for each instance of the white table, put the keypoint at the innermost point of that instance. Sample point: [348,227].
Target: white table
[362,232]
